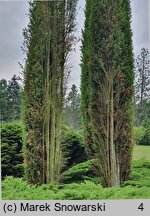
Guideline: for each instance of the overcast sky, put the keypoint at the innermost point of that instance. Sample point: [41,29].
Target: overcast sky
[13,18]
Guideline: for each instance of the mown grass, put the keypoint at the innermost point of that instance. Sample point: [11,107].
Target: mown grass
[138,187]
[141,152]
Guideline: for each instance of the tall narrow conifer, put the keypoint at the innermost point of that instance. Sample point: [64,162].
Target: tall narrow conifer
[107,87]
[48,40]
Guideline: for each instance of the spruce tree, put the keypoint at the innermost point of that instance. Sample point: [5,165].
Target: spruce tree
[14,98]
[10,99]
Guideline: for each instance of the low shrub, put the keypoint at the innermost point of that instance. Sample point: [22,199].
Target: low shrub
[74,148]
[16,188]
[12,142]
[79,172]
[140,176]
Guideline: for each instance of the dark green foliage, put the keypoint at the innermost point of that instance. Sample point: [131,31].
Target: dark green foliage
[3,100]
[10,99]
[11,149]
[124,107]
[48,41]
[13,99]
[33,96]
[73,147]
[107,87]
[137,188]
[85,79]
[78,173]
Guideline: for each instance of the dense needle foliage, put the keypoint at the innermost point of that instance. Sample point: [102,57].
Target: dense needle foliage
[73,146]
[10,99]
[11,149]
[107,87]
[136,188]
[48,41]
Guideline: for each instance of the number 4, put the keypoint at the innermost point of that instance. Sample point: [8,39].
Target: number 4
[141,207]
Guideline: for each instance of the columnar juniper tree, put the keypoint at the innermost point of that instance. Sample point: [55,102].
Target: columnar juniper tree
[107,87]
[124,93]
[85,78]
[48,40]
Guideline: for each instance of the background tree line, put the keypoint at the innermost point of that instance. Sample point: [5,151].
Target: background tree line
[10,99]
[142,98]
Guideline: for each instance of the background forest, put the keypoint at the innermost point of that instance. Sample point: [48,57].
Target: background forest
[92,143]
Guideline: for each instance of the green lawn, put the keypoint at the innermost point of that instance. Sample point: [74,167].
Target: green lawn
[141,152]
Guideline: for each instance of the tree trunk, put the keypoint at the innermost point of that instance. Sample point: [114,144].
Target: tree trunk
[113,158]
